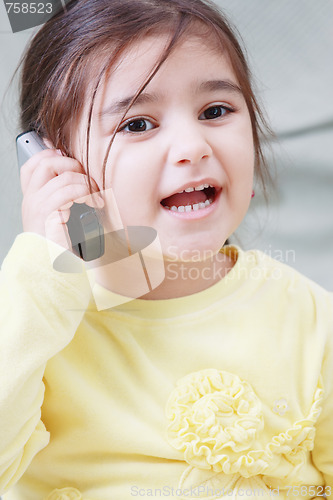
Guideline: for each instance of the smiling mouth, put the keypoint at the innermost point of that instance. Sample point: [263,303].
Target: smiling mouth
[191,200]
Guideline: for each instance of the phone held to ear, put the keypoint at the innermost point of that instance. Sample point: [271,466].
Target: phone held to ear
[84,228]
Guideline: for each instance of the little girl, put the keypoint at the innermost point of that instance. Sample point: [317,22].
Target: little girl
[218,379]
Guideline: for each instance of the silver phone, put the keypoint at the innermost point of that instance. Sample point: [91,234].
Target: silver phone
[84,227]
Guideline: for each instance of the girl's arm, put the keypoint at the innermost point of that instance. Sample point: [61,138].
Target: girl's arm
[41,308]
[40,312]
[322,453]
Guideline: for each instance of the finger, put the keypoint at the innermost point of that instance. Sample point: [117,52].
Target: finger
[62,181]
[64,198]
[42,170]
[27,169]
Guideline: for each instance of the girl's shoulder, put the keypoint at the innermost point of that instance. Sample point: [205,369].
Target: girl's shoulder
[279,266]
[279,284]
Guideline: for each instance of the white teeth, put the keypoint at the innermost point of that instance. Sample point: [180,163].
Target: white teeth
[191,208]
[200,188]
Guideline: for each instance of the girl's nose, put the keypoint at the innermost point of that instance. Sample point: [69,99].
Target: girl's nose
[189,146]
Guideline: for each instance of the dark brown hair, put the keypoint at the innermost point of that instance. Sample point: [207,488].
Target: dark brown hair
[77,47]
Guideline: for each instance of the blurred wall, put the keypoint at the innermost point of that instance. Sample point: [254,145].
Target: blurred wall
[290,46]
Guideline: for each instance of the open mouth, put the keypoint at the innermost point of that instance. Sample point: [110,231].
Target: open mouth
[191,199]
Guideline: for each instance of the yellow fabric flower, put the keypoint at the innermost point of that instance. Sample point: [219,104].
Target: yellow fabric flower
[211,413]
[215,418]
[65,494]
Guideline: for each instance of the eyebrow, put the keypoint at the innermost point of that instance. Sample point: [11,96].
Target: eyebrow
[227,85]
[120,106]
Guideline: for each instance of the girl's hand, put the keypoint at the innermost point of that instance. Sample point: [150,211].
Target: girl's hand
[50,184]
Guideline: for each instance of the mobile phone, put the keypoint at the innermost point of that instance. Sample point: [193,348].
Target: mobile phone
[84,227]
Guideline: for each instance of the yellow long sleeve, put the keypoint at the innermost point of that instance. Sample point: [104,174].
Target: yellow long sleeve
[40,312]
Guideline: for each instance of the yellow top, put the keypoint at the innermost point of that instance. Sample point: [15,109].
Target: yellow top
[226,391]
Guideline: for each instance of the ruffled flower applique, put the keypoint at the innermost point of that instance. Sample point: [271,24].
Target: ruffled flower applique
[216,421]
[65,494]
[213,415]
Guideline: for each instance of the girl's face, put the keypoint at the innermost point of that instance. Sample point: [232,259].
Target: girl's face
[189,129]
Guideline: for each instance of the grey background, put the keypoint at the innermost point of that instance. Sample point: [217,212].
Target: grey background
[38,13]
[290,47]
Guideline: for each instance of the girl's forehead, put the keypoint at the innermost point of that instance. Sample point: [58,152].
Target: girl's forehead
[140,58]
[153,46]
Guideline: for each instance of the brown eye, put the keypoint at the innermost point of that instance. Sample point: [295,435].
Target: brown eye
[214,112]
[137,125]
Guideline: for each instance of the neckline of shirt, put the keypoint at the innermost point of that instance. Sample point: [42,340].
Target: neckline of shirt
[189,304]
